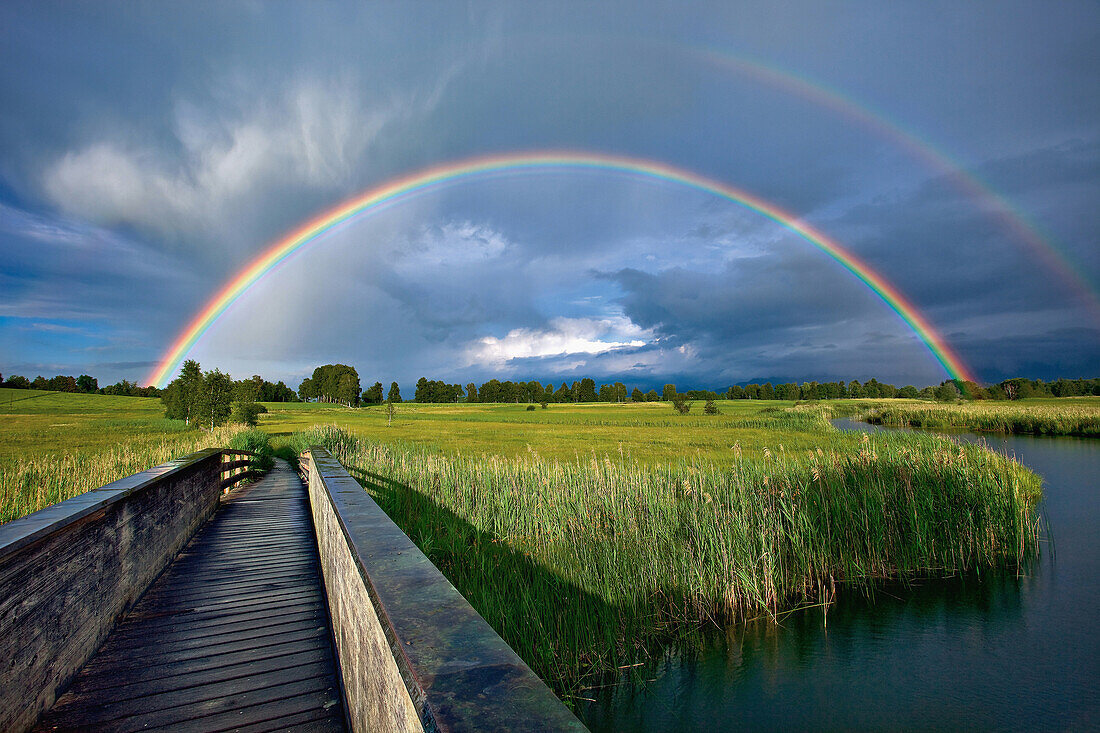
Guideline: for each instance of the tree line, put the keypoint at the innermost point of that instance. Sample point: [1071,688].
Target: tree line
[84,384]
[212,398]
[339,383]
[586,390]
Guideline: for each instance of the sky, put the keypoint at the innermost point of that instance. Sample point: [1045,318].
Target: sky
[150,151]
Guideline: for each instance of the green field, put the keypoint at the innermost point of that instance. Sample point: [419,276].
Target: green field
[590,535]
[57,445]
[646,433]
[34,423]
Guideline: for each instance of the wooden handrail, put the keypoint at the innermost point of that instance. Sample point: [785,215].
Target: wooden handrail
[238,477]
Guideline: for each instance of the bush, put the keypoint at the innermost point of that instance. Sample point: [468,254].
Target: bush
[247,413]
[542,404]
[258,442]
[711,408]
[681,405]
[530,408]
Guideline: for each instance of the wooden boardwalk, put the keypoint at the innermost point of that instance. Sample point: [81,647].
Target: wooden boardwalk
[234,635]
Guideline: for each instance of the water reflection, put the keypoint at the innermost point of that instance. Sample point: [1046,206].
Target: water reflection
[1002,650]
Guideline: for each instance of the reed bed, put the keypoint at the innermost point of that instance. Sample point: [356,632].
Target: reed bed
[584,567]
[34,483]
[1066,417]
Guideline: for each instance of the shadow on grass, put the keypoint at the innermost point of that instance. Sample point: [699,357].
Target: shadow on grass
[566,634]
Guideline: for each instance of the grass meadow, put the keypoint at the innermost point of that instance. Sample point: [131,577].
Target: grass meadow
[58,445]
[591,535]
[1078,416]
[644,433]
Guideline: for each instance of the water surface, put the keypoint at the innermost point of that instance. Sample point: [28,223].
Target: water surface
[999,651]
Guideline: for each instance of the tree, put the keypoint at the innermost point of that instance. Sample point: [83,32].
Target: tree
[214,403]
[183,394]
[306,390]
[87,383]
[332,383]
[669,392]
[373,396]
[947,392]
[587,391]
[908,391]
[652,396]
[637,396]
[17,382]
[247,412]
[564,394]
[471,392]
[61,383]
[347,389]
[394,393]
[391,406]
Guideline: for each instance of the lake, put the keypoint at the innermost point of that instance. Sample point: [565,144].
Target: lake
[999,651]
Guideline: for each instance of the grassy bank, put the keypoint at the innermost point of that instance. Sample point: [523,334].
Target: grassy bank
[1063,416]
[34,483]
[582,565]
[55,445]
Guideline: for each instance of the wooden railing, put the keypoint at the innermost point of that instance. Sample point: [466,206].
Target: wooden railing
[230,476]
[68,571]
[414,655]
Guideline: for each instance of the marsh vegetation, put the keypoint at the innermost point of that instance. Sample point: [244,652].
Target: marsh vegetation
[587,565]
[1063,416]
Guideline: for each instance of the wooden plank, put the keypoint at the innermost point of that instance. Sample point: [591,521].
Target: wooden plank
[191,625]
[219,693]
[259,711]
[194,668]
[267,643]
[234,634]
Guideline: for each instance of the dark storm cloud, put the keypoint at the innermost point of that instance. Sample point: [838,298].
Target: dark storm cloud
[149,151]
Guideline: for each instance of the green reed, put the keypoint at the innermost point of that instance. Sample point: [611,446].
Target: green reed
[587,566]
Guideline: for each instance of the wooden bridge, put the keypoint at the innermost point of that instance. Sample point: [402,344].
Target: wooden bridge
[158,602]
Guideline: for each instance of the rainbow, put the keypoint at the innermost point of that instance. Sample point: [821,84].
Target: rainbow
[437,176]
[1007,216]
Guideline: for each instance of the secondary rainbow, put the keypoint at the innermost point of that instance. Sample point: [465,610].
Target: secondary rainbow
[437,176]
[983,194]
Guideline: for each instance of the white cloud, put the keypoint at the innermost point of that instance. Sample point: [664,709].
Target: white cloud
[312,133]
[564,337]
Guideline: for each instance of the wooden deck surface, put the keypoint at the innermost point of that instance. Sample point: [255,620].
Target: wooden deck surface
[234,635]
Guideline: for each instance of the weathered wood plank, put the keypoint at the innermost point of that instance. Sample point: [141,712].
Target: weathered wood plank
[67,572]
[233,634]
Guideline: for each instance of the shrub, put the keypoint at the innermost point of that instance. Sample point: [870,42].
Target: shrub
[681,405]
[711,408]
[530,408]
[247,413]
[258,442]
